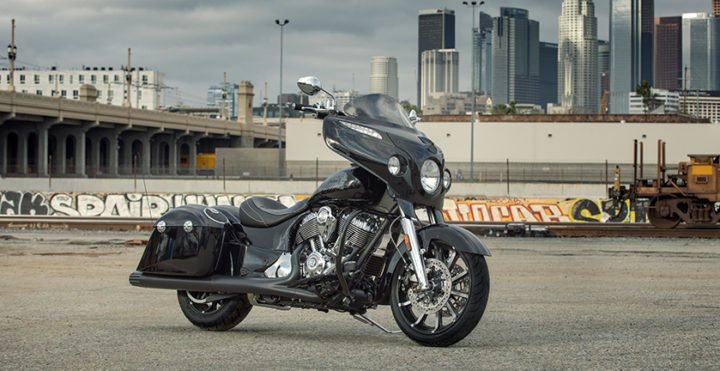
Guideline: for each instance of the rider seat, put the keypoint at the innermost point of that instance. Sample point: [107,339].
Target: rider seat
[262,212]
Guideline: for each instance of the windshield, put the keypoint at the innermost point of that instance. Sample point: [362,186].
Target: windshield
[378,107]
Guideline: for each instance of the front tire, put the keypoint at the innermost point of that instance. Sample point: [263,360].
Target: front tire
[450,310]
[218,315]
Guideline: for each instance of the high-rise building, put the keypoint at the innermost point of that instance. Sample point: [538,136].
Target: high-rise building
[216,95]
[436,31]
[516,55]
[701,50]
[631,49]
[578,77]
[548,73]
[604,66]
[716,8]
[482,49]
[668,53]
[439,73]
[384,76]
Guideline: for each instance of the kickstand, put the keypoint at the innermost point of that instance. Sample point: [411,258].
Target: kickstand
[369,321]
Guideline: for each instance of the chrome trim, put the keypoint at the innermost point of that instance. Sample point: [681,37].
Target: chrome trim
[281,268]
[415,255]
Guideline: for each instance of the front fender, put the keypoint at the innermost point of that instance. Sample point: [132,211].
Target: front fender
[462,239]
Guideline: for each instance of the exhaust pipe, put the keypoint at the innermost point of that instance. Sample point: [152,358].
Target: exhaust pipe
[233,285]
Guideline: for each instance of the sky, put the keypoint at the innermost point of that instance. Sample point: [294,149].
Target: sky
[194,42]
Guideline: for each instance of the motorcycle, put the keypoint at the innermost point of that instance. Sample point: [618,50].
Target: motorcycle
[370,235]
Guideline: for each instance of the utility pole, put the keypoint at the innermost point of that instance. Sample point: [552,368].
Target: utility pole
[223,113]
[12,54]
[128,80]
[280,104]
[265,106]
[474,5]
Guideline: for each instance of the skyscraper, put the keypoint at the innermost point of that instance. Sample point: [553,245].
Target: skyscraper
[668,53]
[436,30]
[604,66]
[578,77]
[439,73]
[482,48]
[631,49]
[384,76]
[701,50]
[548,73]
[716,8]
[516,52]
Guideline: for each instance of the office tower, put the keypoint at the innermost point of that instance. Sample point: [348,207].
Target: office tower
[439,73]
[516,54]
[716,8]
[701,50]
[217,97]
[482,49]
[604,66]
[548,73]
[384,76]
[578,76]
[436,30]
[631,49]
[668,53]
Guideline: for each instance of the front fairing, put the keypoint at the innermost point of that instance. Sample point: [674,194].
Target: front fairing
[372,154]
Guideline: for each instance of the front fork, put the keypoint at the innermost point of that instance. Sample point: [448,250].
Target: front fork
[407,211]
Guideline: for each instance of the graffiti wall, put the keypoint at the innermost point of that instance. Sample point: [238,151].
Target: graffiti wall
[544,210]
[153,205]
[134,205]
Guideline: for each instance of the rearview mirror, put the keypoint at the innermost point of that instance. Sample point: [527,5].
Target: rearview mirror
[309,85]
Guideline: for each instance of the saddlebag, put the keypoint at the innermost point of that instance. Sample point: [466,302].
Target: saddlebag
[190,241]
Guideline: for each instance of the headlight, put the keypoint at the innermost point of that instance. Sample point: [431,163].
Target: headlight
[430,176]
[447,179]
[394,165]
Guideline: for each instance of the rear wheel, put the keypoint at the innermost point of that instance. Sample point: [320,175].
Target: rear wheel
[454,304]
[220,314]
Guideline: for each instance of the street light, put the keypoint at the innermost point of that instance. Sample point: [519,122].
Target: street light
[474,5]
[280,106]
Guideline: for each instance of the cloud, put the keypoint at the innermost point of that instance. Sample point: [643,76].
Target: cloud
[194,42]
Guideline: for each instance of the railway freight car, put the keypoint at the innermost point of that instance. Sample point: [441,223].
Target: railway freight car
[690,196]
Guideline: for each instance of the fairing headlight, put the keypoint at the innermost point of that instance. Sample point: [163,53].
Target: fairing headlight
[394,165]
[362,129]
[430,176]
[447,179]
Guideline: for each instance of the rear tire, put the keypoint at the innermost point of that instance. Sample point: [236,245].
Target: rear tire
[220,315]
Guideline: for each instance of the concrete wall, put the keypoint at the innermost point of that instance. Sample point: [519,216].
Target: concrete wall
[180,185]
[534,142]
[255,162]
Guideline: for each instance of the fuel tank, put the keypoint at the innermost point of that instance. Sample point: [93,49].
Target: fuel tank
[353,187]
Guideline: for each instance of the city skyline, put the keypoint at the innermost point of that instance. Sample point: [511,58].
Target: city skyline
[194,44]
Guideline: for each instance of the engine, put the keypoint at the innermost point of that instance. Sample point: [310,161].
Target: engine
[318,236]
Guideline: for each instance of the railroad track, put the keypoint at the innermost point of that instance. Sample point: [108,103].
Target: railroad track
[496,229]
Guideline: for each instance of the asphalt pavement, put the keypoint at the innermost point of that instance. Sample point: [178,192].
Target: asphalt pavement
[65,303]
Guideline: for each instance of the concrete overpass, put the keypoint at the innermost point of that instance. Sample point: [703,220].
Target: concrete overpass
[52,136]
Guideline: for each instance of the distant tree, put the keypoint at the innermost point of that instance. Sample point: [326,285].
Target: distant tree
[644,90]
[505,109]
[409,107]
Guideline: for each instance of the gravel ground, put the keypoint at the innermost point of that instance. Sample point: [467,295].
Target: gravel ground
[65,303]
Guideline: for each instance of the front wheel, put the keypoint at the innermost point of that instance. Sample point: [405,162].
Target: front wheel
[213,315]
[452,307]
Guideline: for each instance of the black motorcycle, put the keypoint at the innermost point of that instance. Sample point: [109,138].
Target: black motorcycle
[370,235]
